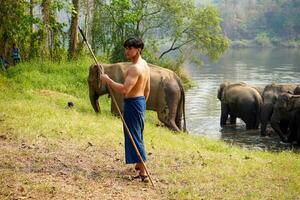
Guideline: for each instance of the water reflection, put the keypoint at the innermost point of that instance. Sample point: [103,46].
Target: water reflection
[255,67]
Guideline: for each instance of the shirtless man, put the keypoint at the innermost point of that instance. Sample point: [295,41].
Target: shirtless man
[136,89]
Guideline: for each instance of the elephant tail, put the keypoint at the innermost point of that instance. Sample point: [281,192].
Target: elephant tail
[259,104]
[182,103]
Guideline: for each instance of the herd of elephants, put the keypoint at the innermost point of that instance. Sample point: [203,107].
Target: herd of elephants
[277,104]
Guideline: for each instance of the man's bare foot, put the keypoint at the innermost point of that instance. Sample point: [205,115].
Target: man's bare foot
[137,167]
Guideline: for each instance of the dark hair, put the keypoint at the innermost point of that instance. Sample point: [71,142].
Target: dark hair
[134,42]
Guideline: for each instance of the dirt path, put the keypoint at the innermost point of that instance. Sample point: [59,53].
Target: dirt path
[62,169]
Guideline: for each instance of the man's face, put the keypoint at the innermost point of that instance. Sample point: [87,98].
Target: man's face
[131,52]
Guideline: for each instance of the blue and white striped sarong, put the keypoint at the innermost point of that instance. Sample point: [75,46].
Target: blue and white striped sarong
[134,113]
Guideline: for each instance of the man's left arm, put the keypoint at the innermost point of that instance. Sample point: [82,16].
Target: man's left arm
[147,89]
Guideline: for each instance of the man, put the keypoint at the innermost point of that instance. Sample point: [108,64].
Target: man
[136,89]
[4,64]
[15,54]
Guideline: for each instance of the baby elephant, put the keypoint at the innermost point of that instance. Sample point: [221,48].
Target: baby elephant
[242,101]
[285,119]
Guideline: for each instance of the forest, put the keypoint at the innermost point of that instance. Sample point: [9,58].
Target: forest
[264,22]
[48,28]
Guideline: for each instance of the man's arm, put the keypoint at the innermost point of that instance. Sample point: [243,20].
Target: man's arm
[130,81]
[147,89]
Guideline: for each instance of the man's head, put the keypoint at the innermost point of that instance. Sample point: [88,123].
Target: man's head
[133,46]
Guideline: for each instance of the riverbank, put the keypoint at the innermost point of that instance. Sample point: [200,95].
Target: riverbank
[51,152]
[263,43]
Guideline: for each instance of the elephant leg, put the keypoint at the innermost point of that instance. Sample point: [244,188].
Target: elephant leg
[277,127]
[265,116]
[173,105]
[178,118]
[292,133]
[283,126]
[119,100]
[172,99]
[250,122]
[224,114]
[294,127]
[298,135]
[163,116]
[94,99]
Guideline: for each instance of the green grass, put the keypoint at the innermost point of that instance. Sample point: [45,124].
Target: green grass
[43,139]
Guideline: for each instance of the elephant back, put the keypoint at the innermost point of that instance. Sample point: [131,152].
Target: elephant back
[297,90]
[272,91]
[226,88]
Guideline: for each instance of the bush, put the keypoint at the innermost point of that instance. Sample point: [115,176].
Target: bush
[263,40]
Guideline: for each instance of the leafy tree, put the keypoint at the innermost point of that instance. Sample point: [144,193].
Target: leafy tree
[16,26]
[177,23]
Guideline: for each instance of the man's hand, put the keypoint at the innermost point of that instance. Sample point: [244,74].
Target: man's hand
[104,78]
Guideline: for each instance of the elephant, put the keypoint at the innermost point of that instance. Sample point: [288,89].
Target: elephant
[294,126]
[297,90]
[167,95]
[239,100]
[269,97]
[285,117]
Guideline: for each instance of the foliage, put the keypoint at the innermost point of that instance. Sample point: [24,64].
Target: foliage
[177,24]
[36,36]
[251,18]
[15,26]
[263,40]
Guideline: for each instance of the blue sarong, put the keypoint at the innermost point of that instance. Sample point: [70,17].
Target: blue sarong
[134,112]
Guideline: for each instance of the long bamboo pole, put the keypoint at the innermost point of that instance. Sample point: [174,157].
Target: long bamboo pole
[119,111]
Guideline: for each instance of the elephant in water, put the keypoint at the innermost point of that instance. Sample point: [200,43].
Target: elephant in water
[167,96]
[242,101]
[285,119]
[270,95]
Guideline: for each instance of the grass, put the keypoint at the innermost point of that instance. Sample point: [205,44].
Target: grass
[50,152]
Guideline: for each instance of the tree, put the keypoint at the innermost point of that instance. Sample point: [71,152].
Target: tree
[179,23]
[73,44]
[16,26]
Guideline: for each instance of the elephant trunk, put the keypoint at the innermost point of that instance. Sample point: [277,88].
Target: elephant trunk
[94,100]
[266,113]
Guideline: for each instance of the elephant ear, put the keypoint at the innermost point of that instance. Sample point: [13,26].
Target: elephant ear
[221,90]
[94,75]
[294,102]
[99,72]
[283,101]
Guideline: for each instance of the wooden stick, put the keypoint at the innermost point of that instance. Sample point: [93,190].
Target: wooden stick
[119,111]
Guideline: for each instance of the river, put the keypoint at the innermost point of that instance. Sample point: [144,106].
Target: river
[253,66]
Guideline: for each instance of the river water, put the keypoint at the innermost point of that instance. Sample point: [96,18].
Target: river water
[257,67]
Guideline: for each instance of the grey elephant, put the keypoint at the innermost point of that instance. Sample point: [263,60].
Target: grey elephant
[167,96]
[285,117]
[269,96]
[239,100]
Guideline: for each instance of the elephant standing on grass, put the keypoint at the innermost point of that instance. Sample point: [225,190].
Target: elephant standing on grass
[242,101]
[269,96]
[285,119]
[167,96]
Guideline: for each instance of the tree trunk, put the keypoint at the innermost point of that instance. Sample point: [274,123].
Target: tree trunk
[46,19]
[74,30]
[31,45]
[87,19]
